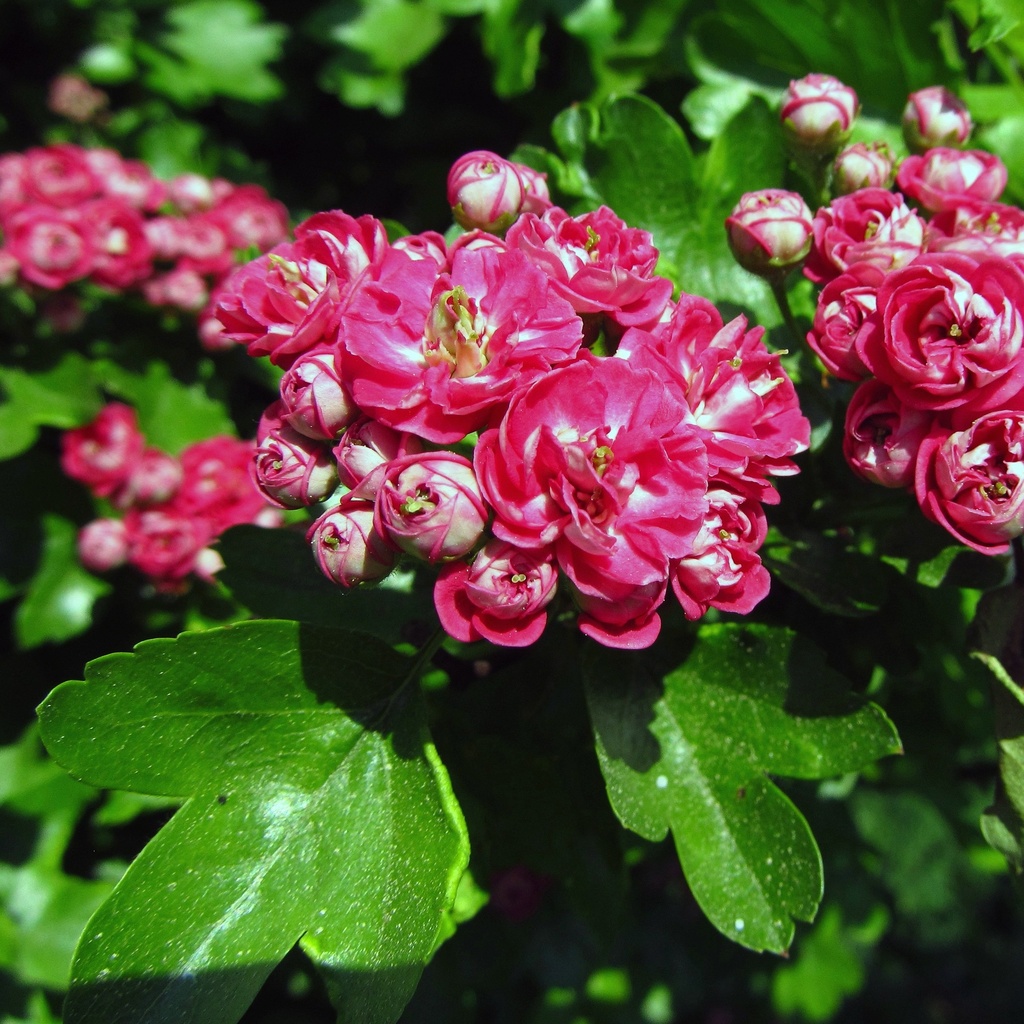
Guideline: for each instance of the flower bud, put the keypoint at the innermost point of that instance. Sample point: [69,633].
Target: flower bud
[430,506]
[293,470]
[935,117]
[770,231]
[316,400]
[864,165]
[883,436]
[817,113]
[537,198]
[347,548]
[365,448]
[485,191]
[103,545]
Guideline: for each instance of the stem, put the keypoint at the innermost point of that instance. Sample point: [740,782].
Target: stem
[782,301]
[423,656]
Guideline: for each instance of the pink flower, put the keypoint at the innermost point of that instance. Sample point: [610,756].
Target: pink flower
[485,191]
[818,112]
[945,179]
[429,505]
[428,245]
[59,176]
[501,596]
[971,481]
[250,218]
[948,332]
[442,356]
[129,180]
[347,548]
[179,288]
[316,400]
[155,479]
[103,454]
[203,245]
[736,390]
[217,486]
[935,117]
[289,301]
[844,304]
[191,193]
[164,543]
[596,262]
[53,247]
[724,570]
[618,614]
[293,470]
[872,225]
[71,96]
[123,253]
[980,230]
[599,460]
[863,165]
[883,436]
[103,545]
[769,231]
[12,184]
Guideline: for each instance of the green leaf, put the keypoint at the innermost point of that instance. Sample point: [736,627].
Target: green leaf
[59,599]
[998,629]
[689,750]
[273,574]
[882,50]
[215,48]
[637,161]
[317,810]
[46,908]
[829,966]
[922,862]
[512,31]
[62,394]
[172,414]
[826,571]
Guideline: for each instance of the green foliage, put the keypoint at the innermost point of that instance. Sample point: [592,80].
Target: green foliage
[38,392]
[316,805]
[215,48]
[630,155]
[59,599]
[691,752]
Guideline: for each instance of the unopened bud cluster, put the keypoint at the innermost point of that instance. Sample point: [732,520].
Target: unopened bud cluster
[445,403]
[922,304]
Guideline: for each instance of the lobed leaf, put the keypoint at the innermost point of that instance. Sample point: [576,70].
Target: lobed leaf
[318,812]
[690,750]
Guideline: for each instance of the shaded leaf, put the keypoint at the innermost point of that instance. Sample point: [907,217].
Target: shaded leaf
[273,574]
[317,807]
[59,599]
[999,642]
[689,750]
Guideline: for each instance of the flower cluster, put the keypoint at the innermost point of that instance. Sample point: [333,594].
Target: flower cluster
[446,401]
[169,509]
[70,214]
[922,304]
